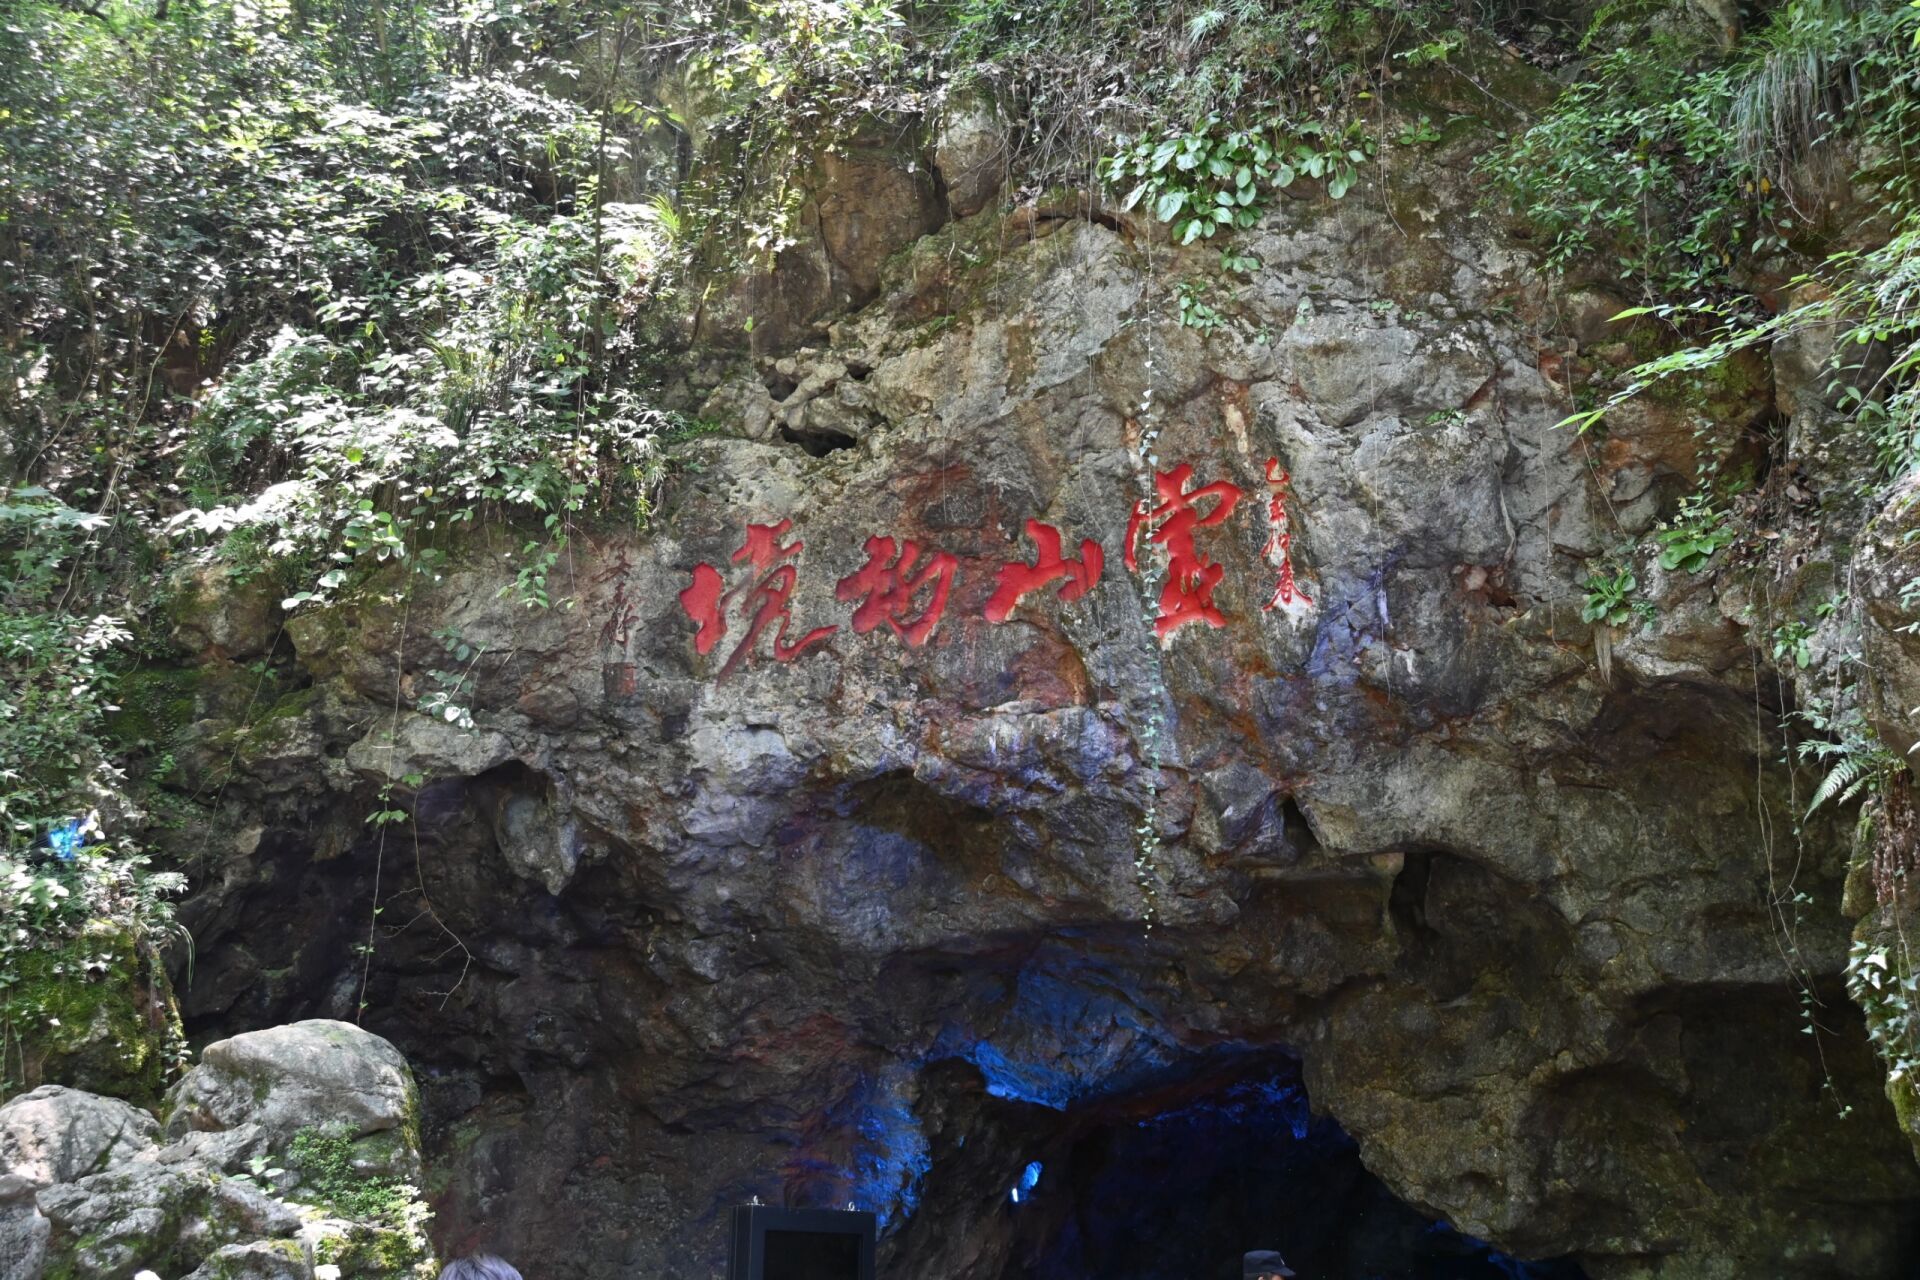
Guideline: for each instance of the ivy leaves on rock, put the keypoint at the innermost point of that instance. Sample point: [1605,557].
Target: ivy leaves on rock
[1212,177]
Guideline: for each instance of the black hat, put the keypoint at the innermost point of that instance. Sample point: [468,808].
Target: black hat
[1263,1262]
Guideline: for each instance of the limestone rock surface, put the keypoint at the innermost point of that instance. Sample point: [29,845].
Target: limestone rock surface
[55,1134]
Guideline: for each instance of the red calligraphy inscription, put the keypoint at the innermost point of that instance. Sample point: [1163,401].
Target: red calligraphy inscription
[1016,579]
[1287,594]
[888,584]
[1191,577]
[765,599]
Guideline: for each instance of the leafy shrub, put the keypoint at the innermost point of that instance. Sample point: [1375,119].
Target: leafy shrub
[61,866]
[1793,643]
[1610,598]
[1636,169]
[1693,536]
[1211,177]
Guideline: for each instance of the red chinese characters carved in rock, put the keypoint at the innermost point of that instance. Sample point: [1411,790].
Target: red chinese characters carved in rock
[1287,594]
[1191,577]
[888,585]
[765,599]
[1017,579]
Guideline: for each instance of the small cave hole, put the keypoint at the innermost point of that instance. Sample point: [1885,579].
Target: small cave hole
[818,442]
[1299,833]
[780,386]
[1408,899]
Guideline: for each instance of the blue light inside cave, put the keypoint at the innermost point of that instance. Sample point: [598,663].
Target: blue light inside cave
[889,1156]
[1074,1030]
[1511,1267]
[1029,1179]
[1246,1103]
[1023,1082]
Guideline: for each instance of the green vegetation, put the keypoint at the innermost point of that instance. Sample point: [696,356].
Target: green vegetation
[1165,68]
[377,1222]
[1881,979]
[324,1159]
[1853,760]
[1791,644]
[1610,598]
[1733,162]
[1635,169]
[307,288]
[1692,536]
[1679,167]
[1210,178]
[81,915]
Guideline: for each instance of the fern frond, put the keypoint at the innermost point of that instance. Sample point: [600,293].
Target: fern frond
[1844,781]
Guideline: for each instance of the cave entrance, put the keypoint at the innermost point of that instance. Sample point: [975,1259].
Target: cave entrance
[1176,1183]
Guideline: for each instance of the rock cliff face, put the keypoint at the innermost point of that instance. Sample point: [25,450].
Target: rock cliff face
[883,916]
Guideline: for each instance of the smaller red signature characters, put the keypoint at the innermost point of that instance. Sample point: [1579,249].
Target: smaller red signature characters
[765,599]
[888,584]
[1288,596]
[1017,579]
[1191,577]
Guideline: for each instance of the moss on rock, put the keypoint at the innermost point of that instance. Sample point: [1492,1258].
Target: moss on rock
[364,1249]
[155,704]
[93,1013]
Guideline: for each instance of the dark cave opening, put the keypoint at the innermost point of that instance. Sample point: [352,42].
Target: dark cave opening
[817,442]
[1178,1184]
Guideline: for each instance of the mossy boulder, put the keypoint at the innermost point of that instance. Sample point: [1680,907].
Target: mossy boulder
[317,1074]
[217,613]
[260,1260]
[392,1250]
[145,1214]
[94,1012]
[290,1150]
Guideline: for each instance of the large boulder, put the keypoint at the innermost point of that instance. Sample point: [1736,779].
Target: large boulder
[972,150]
[94,1011]
[55,1134]
[314,1075]
[290,1149]
[143,1215]
[428,746]
[260,1260]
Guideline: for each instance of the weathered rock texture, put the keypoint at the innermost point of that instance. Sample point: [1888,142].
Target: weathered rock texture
[95,1012]
[88,1191]
[872,926]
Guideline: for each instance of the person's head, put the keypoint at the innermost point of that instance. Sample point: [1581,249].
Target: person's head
[481,1266]
[1264,1264]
